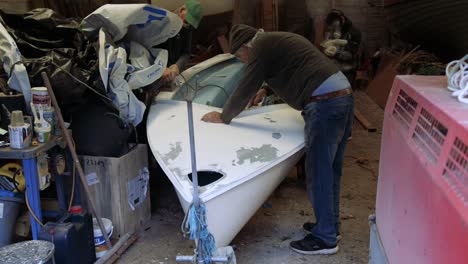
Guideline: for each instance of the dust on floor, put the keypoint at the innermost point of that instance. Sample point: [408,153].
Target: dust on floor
[265,238]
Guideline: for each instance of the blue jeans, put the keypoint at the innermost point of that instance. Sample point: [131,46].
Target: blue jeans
[328,125]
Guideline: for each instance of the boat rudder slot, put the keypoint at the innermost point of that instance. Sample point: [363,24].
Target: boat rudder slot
[206,177]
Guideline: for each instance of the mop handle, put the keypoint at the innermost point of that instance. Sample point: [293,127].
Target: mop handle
[196,201]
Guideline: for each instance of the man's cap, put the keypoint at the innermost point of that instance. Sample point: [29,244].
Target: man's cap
[194,12]
[241,34]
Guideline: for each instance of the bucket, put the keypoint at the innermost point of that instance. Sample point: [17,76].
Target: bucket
[99,241]
[20,136]
[9,209]
[43,133]
[31,252]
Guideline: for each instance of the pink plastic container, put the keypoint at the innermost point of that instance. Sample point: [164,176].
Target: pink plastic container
[422,196]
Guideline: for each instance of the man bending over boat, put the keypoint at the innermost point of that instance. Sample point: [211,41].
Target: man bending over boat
[179,47]
[305,79]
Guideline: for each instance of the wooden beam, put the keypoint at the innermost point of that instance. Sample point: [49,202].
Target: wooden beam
[71,147]
[364,122]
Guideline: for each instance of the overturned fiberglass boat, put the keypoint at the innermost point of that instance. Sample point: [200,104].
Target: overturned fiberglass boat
[240,164]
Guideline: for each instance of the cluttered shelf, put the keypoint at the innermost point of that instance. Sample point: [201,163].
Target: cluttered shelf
[32,151]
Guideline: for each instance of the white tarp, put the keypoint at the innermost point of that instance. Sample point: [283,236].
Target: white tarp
[113,68]
[138,27]
[146,24]
[143,70]
[17,75]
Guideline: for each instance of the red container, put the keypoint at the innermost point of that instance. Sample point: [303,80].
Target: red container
[422,196]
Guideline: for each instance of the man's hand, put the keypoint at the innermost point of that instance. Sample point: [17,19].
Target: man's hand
[212,117]
[257,98]
[331,46]
[170,73]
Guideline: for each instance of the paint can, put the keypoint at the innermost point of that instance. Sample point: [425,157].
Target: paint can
[20,136]
[99,241]
[19,131]
[43,133]
[40,98]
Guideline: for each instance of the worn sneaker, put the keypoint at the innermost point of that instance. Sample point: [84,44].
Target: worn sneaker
[309,226]
[311,245]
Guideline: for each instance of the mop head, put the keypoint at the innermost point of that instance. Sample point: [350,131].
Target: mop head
[195,225]
[198,229]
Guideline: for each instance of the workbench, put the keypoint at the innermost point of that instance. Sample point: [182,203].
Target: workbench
[29,160]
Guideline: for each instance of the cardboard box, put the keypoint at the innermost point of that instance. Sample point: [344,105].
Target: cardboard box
[379,88]
[120,188]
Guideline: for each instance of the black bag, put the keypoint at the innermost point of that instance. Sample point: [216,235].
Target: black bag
[99,131]
[54,44]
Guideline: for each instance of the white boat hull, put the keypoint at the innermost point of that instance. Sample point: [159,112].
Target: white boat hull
[250,157]
[228,213]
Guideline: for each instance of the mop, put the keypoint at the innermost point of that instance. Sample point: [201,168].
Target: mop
[195,219]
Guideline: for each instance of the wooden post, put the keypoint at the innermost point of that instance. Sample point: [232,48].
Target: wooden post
[71,146]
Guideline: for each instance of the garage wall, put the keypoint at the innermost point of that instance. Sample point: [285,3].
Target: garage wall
[369,17]
[440,26]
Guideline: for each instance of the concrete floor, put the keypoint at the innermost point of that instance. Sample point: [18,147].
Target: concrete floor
[265,238]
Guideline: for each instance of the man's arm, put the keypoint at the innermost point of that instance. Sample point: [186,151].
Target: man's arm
[175,69]
[185,56]
[252,80]
[182,62]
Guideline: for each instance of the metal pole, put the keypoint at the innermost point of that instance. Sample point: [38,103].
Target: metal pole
[196,199]
[69,141]
[193,156]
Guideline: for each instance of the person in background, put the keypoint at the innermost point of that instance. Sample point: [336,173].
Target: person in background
[342,43]
[307,80]
[179,47]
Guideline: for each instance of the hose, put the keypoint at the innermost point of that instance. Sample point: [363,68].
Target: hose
[199,88]
[32,212]
[457,78]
